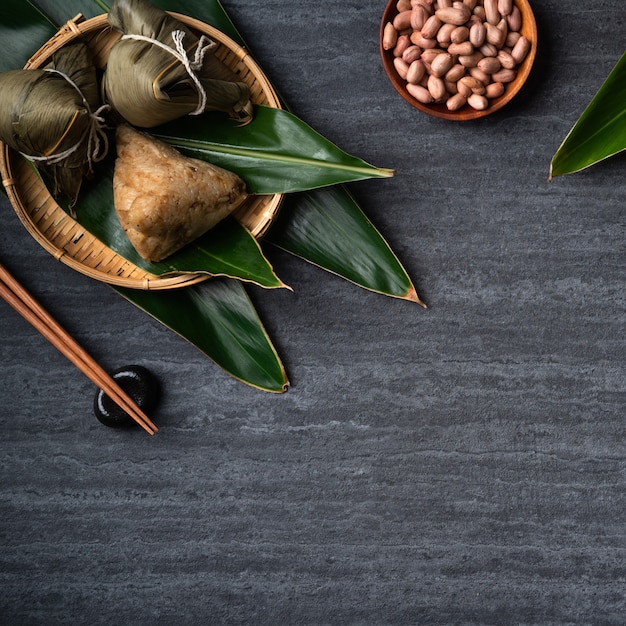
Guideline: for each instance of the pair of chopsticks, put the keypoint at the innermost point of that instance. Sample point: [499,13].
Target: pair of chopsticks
[15,295]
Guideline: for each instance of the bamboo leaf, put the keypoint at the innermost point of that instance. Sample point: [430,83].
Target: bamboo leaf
[215,316]
[600,132]
[23,29]
[344,205]
[60,12]
[307,212]
[197,302]
[324,229]
[218,318]
[210,11]
[275,153]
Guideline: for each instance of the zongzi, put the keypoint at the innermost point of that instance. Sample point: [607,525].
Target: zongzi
[53,116]
[163,199]
[161,70]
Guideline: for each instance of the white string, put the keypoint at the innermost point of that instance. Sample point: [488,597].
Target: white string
[94,133]
[204,45]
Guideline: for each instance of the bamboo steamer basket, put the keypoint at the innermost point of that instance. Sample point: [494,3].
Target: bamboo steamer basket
[64,237]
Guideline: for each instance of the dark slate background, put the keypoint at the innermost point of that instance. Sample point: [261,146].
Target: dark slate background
[463,464]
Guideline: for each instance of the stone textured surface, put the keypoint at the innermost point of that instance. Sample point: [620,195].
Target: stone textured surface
[459,465]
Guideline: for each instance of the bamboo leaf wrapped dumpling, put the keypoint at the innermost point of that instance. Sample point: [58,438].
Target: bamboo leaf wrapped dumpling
[160,70]
[165,200]
[53,116]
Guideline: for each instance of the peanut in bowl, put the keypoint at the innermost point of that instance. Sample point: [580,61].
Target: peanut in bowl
[458,60]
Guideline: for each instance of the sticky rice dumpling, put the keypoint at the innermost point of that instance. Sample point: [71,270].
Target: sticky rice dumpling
[161,70]
[52,115]
[163,199]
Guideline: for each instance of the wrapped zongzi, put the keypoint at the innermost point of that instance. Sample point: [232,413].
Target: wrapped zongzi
[53,116]
[160,70]
[163,199]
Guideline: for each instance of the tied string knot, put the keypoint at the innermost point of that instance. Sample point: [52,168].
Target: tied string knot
[191,65]
[97,140]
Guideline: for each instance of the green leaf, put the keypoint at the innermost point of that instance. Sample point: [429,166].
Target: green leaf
[345,207]
[226,250]
[215,316]
[198,302]
[210,12]
[600,132]
[60,12]
[275,153]
[218,318]
[325,229]
[308,212]
[23,29]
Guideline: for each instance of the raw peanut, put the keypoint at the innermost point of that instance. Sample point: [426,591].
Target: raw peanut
[464,89]
[457,52]
[441,64]
[437,87]
[488,50]
[491,11]
[416,72]
[505,7]
[511,39]
[504,76]
[477,34]
[412,53]
[475,85]
[483,77]
[453,15]
[419,15]
[401,67]
[489,65]
[421,94]
[494,90]
[461,49]
[427,4]
[403,43]
[431,27]
[444,36]
[506,60]
[520,50]
[494,35]
[455,102]
[428,56]
[422,42]
[514,19]
[455,73]
[402,21]
[459,34]
[479,12]
[478,102]
[470,60]
[390,36]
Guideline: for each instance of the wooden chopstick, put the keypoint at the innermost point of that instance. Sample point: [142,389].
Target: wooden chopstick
[17,296]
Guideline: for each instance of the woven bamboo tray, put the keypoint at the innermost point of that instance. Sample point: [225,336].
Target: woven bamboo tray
[61,235]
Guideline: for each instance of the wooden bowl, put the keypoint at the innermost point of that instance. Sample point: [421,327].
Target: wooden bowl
[528,29]
[65,238]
